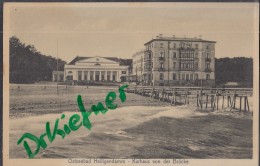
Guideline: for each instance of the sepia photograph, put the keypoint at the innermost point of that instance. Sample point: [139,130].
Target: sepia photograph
[131,83]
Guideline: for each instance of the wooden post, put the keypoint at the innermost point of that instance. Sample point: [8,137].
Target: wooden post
[217,101]
[240,102]
[201,104]
[234,100]
[207,101]
[188,96]
[197,99]
[223,101]
[247,104]
[227,101]
[211,101]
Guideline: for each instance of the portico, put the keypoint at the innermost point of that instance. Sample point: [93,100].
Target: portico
[96,69]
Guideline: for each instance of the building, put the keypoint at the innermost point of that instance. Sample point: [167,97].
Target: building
[175,61]
[107,69]
[57,76]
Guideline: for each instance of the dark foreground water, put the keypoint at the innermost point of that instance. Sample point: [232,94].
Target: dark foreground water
[145,132]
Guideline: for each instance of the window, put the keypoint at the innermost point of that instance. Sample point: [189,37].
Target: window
[208,66]
[196,46]
[123,72]
[187,76]
[174,54]
[161,65]
[108,77]
[195,76]
[207,76]
[85,75]
[102,77]
[174,46]
[196,65]
[113,77]
[207,47]
[174,65]
[183,76]
[161,76]
[196,54]
[174,76]
[191,76]
[79,75]
[207,55]
[161,55]
[161,45]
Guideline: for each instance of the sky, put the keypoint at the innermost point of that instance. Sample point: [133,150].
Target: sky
[120,30]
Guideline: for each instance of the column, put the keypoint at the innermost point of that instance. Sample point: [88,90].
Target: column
[118,74]
[76,75]
[106,75]
[94,76]
[82,75]
[64,76]
[88,75]
[99,75]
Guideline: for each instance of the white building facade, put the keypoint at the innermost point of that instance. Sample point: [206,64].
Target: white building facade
[171,61]
[107,69]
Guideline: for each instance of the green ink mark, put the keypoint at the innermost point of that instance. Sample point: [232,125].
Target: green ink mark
[51,136]
[85,114]
[42,141]
[62,116]
[66,129]
[99,108]
[73,122]
[122,95]
[111,96]
[61,133]
[27,147]
[74,119]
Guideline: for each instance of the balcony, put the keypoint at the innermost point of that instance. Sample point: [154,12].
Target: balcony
[161,69]
[207,70]
[161,58]
[147,59]
[208,60]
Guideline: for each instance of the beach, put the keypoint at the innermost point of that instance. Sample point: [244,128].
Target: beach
[141,127]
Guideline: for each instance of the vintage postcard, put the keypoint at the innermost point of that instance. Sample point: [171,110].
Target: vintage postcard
[131,84]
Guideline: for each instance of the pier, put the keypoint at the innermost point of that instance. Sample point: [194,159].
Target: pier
[209,98]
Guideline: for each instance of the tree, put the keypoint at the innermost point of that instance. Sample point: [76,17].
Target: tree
[238,69]
[27,65]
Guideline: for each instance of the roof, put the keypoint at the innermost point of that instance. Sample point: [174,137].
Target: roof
[179,39]
[122,62]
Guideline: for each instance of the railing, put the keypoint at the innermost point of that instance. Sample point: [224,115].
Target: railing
[207,70]
[161,58]
[208,60]
[194,90]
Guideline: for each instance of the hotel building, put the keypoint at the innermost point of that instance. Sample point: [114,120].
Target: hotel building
[108,69]
[168,61]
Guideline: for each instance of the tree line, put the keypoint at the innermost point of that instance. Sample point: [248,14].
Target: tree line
[27,65]
[238,69]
